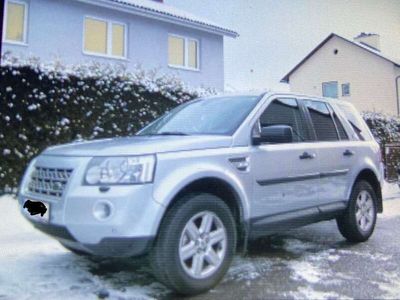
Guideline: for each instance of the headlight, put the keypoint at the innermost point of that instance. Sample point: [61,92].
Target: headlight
[120,170]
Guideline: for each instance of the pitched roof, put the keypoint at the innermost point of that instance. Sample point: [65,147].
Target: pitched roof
[285,79]
[164,12]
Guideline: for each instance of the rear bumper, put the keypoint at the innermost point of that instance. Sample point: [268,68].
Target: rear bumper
[110,247]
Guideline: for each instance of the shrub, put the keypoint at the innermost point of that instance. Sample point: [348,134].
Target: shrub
[47,104]
[385,128]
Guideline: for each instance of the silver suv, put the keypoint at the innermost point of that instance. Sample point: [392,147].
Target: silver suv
[197,184]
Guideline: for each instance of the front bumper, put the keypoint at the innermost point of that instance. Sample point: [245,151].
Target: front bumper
[110,247]
[129,230]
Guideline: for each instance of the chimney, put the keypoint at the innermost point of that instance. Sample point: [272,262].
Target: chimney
[371,40]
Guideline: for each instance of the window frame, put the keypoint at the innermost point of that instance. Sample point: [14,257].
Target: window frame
[256,127]
[186,41]
[24,41]
[109,38]
[331,112]
[330,82]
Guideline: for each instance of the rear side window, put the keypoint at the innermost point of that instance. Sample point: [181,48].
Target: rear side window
[342,132]
[286,112]
[360,129]
[323,123]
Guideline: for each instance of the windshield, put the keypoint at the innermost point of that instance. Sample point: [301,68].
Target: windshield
[217,115]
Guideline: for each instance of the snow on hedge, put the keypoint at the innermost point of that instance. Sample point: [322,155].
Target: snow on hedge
[385,128]
[47,103]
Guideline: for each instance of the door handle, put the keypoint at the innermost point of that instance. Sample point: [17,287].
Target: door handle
[307,155]
[348,153]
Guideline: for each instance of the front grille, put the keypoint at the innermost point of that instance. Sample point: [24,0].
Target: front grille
[49,181]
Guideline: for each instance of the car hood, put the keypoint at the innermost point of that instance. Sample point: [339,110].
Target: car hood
[137,145]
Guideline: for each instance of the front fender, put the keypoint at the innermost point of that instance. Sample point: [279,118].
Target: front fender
[169,184]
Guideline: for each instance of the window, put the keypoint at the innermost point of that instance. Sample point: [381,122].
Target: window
[330,89]
[176,51]
[104,38]
[345,89]
[192,54]
[214,115]
[183,52]
[342,132]
[16,22]
[361,130]
[118,40]
[286,112]
[324,126]
[96,36]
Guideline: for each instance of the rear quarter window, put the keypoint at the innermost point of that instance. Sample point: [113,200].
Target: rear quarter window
[360,128]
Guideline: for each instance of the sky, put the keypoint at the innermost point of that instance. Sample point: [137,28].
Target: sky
[276,34]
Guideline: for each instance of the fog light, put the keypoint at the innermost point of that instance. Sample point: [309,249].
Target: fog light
[102,210]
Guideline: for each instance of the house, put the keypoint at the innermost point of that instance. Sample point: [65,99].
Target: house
[355,71]
[145,32]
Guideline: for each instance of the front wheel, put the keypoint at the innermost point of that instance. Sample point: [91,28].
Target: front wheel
[195,245]
[358,222]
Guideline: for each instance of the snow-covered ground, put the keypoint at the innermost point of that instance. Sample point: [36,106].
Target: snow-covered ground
[34,266]
[390,190]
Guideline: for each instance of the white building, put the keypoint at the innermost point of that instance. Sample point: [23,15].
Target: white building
[148,33]
[355,71]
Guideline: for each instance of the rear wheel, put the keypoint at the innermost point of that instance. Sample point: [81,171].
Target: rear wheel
[195,245]
[358,222]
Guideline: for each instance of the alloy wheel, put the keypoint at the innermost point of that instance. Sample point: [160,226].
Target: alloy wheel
[202,245]
[365,211]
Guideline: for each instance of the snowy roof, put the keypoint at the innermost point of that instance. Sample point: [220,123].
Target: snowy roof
[363,46]
[162,11]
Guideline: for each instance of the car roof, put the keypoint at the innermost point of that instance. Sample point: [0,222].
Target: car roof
[282,94]
[239,94]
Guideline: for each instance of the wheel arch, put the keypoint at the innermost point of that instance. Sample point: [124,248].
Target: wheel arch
[223,190]
[370,176]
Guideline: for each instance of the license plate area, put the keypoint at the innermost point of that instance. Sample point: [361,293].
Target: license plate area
[37,210]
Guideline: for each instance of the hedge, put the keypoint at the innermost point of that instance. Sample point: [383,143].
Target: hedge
[47,104]
[386,130]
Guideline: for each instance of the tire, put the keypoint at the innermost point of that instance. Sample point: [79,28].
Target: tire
[172,262]
[75,251]
[358,222]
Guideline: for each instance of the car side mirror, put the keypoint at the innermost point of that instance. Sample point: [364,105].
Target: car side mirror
[275,134]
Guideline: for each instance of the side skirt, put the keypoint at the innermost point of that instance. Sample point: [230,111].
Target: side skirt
[267,225]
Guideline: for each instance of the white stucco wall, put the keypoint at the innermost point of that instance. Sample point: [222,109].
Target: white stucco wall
[372,79]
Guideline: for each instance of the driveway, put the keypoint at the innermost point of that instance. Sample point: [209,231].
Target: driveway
[310,262]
